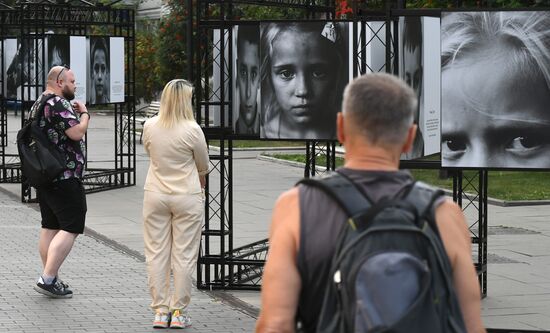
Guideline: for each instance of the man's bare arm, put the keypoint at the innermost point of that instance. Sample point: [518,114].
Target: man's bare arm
[281,282]
[456,238]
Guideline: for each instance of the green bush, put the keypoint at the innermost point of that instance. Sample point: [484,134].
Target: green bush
[148,83]
[172,48]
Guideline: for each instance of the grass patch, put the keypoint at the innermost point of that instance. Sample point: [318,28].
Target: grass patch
[260,143]
[504,185]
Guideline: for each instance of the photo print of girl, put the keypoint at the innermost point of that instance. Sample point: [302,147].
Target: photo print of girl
[495,89]
[304,69]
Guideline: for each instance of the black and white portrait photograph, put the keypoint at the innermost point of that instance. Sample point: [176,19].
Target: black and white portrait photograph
[495,94]
[304,69]
[246,79]
[58,53]
[99,60]
[116,83]
[411,70]
[23,66]
[420,67]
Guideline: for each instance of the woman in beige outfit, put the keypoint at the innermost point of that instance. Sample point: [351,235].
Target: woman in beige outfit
[173,203]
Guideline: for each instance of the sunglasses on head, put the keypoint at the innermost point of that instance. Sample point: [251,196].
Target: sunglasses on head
[61,71]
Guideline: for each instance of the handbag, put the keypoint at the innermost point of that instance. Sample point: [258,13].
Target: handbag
[41,160]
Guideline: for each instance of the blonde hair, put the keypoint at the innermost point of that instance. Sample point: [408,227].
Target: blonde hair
[525,33]
[176,103]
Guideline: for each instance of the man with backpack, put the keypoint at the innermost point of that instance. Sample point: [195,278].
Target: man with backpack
[366,249]
[62,201]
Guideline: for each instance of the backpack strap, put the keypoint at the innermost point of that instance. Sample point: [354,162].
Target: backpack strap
[342,190]
[423,197]
[40,108]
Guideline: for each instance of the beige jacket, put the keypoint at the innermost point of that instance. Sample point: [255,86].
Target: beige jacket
[178,155]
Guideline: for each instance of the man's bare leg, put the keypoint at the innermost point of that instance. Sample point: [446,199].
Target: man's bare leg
[59,249]
[46,236]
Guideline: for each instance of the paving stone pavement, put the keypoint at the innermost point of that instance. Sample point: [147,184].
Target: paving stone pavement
[109,285]
[518,246]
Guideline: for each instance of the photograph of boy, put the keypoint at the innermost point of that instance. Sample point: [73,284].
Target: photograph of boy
[247,78]
[411,71]
[304,70]
[495,89]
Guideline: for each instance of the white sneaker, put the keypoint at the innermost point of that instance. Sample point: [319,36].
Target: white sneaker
[162,320]
[180,319]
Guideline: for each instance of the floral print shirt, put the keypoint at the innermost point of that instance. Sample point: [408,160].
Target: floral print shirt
[58,117]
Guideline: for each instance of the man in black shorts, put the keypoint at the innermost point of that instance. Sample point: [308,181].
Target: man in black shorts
[63,203]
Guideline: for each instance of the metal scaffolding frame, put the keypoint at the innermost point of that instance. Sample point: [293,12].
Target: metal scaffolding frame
[29,21]
[220,265]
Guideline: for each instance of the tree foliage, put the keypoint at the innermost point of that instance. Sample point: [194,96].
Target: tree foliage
[147,67]
[172,46]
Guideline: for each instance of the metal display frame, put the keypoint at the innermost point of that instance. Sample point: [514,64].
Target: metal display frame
[220,265]
[30,20]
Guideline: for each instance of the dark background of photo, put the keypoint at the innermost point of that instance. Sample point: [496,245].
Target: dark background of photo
[60,44]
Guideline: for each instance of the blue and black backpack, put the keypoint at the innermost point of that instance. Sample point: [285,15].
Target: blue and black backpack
[390,271]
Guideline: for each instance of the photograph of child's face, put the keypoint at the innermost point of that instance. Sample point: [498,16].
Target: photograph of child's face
[411,71]
[494,115]
[247,79]
[303,82]
[302,76]
[99,70]
[495,95]
[249,76]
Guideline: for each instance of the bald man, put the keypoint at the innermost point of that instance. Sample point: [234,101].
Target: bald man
[63,203]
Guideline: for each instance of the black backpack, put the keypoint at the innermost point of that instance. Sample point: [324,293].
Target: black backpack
[390,271]
[41,160]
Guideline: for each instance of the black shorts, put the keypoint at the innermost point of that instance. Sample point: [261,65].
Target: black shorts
[63,205]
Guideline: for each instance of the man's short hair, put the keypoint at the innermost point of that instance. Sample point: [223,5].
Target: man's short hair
[381,106]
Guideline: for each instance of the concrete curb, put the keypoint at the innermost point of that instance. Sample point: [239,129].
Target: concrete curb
[216,148]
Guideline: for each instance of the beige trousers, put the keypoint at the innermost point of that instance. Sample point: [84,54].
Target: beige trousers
[171,232]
